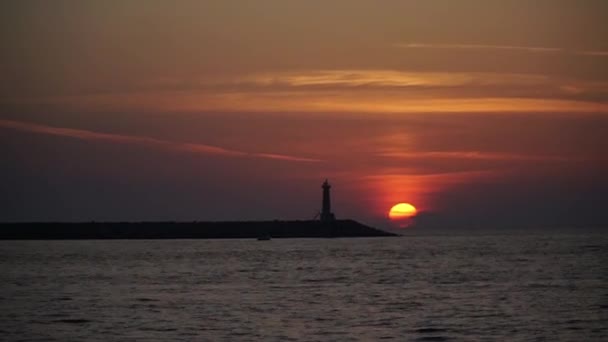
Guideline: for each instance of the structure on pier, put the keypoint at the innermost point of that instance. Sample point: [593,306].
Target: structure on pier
[326,214]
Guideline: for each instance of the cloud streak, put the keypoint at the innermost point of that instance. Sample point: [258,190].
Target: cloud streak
[146,142]
[593,53]
[534,49]
[472,155]
[349,90]
[392,186]
[529,49]
[386,90]
[388,78]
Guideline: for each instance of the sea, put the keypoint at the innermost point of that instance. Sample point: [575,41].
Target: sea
[496,287]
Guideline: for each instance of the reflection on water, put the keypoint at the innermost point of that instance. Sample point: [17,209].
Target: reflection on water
[411,288]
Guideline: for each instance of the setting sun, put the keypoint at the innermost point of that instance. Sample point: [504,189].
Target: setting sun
[402,211]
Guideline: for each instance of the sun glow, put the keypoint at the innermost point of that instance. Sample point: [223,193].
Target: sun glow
[402,211]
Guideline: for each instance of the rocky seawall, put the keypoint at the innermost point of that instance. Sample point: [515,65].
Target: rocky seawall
[187,230]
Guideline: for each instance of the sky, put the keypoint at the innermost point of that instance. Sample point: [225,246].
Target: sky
[478,112]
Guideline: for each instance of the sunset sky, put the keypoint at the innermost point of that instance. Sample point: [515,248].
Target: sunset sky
[477,112]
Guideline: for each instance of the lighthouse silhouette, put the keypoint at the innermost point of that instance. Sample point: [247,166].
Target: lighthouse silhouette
[326,214]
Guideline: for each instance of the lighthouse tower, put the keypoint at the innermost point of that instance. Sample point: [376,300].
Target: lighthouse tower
[326,214]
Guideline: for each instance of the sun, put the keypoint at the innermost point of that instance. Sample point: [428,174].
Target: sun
[402,211]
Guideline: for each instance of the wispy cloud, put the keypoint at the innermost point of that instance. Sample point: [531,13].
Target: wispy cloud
[403,178]
[471,155]
[324,79]
[330,101]
[388,78]
[593,53]
[536,49]
[146,141]
[393,91]
[355,91]
[530,49]
[393,186]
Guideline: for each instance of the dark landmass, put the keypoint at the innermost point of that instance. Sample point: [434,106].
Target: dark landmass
[186,230]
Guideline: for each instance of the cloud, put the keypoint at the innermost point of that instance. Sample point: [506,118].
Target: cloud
[348,91]
[146,141]
[349,78]
[593,53]
[535,49]
[529,49]
[338,101]
[400,179]
[393,186]
[472,155]
[392,91]
[388,78]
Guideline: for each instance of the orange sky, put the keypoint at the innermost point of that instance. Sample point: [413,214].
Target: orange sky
[426,102]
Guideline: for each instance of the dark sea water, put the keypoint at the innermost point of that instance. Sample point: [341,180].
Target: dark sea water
[438,288]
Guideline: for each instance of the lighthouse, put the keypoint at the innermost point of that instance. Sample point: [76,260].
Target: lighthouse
[326,214]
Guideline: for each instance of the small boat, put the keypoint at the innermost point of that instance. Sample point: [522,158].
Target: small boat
[264,238]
